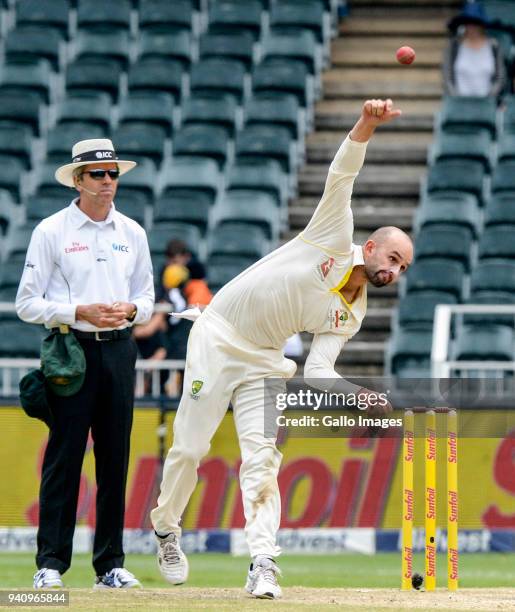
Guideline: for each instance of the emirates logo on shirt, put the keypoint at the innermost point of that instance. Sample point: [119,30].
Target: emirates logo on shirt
[76,248]
[325,267]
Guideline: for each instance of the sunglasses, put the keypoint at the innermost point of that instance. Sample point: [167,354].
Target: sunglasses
[98,175]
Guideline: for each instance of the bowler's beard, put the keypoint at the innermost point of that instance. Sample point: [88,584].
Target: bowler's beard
[375,277]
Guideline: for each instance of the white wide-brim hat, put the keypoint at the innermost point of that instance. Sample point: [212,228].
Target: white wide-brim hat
[92,151]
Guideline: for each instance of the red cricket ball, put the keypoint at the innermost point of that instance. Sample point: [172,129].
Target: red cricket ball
[405,55]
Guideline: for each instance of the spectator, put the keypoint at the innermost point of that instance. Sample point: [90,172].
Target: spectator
[473,63]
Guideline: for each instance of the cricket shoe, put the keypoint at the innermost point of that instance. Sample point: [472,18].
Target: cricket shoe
[117,578]
[262,579]
[47,579]
[172,562]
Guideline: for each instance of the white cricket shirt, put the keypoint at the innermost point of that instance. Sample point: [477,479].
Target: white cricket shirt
[296,287]
[74,260]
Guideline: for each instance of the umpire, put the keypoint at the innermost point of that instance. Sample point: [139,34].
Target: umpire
[88,267]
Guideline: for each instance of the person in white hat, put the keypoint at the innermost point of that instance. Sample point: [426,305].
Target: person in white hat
[88,272]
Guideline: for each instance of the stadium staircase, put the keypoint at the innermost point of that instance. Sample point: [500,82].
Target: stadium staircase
[363,66]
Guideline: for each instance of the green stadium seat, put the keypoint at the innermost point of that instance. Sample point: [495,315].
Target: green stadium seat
[409,350]
[235,45]
[16,140]
[37,209]
[106,45]
[256,142]
[100,16]
[500,210]
[194,173]
[94,75]
[249,207]
[503,179]
[217,111]
[239,239]
[154,109]
[452,209]
[236,16]
[32,43]
[10,274]
[154,74]
[506,148]
[90,107]
[275,110]
[468,114]
[16,243]
[139,139]
[27,77]
[218,76]
[437,274]
[223,268]
[485,343]
[474,146]
[63,136]
[202,140]
[163,15]
[491,298]
[47,186]
[53,14]
[500,12]
[132,204]
[185,206]
[11,171]
[167,45]
[263,176]
[142,179]
[6,210]
[452,242]
[508,116]
[417,310]
[497,242]
[8,294]
[20,109]
[468,176]
[292,16]
[300,46]
[283,76]
[161,235]
[18,339]
[493,275]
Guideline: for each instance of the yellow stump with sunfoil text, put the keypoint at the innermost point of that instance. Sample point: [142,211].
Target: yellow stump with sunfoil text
[430,499]
[408,454]
[452,500]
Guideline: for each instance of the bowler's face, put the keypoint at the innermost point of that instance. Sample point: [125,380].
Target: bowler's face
[385,263]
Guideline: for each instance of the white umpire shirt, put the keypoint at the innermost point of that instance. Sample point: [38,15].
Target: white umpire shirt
[74,260]
[297,287]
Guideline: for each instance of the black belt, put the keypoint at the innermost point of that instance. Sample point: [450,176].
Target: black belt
[103,336]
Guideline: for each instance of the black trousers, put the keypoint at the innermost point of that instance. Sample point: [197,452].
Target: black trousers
[105,405]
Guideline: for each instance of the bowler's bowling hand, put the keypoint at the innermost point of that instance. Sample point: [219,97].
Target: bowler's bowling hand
[376,112]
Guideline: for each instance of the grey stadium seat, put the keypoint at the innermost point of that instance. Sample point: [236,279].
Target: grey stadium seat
[250,207]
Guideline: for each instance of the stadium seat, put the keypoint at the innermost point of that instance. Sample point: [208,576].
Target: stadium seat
[161,235]
[46,185]
[236,16]
[6,210]
[468,176]
[30,43]
[500,210]
[10,274]
[163,15]
[474,146]
[90,107]
[194,173]
[100,16]
[417,310]
[503,178]
[35,12]
[284,76]
[27,77]
[37,209]
[239,239]
[63,136]
[278,110]
[185,206]
[139,139]
[218,76]
[132,204]
[491,298]
[450,241]
[142,179]
[249,207]
[18,339]
[256,142]
[469,114]
[94,75]
[155,109]
[291,16]
[508,116]
[8,294]
[501,12]
[154,74]
[453,209]
[505,148]
[16,140]
[106,45]
[166,45]
[300,46]
[11,171]
[20,109]
[235,45]
[202,140]
[485,343]
[16,243]
[409,350]
[497,242]
[223,268]
[208,110]
[263,176]
[438,274]
[493,275]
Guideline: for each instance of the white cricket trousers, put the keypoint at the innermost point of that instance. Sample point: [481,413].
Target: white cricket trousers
[231,369]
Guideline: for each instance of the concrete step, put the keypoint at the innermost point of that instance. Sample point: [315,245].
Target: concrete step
[394,82]
[368,22]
